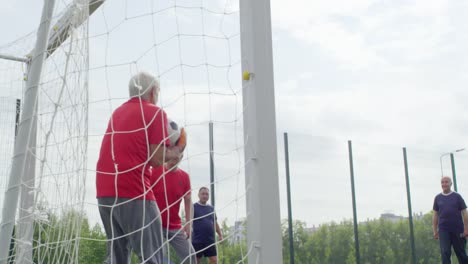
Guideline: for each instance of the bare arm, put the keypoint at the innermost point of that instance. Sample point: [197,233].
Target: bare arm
[435,224]
[465,222]
[162,154]
[188,214]
[218,231]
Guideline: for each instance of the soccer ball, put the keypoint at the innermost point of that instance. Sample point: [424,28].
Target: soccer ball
[173,132]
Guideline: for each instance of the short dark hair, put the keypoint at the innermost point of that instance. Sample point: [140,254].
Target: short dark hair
[203,188]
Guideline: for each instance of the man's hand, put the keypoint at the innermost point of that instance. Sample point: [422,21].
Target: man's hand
[465,232]
[188,231]
[465,222]
[220,237]
[436,235]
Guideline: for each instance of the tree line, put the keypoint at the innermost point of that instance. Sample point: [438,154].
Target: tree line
[381,241]
[70,238]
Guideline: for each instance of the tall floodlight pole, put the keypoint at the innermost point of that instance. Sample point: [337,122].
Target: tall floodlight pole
[441,163]
[452,161]
[261,162]
[26,137]
[454,173]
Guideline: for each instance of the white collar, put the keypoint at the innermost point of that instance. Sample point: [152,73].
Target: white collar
[447,193]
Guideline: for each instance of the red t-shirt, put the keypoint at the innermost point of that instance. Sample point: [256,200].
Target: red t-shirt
[125,146]
[169,190]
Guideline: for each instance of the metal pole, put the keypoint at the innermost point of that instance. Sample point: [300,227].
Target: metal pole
[441,164]
[13,58]
[454,174]
[212,180]
[23,146]
[353,193]
[261,163]
[410,211]
[444,154]
[288,190]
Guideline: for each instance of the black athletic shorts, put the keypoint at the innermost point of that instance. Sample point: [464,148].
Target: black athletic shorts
[205,249]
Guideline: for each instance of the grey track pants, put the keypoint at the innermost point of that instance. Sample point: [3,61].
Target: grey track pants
[131,226]
[181,245]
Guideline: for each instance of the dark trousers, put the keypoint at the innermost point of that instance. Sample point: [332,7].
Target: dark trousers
[448,240]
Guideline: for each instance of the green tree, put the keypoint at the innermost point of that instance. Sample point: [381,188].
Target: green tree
[92,245]
[381,241]
[69,238]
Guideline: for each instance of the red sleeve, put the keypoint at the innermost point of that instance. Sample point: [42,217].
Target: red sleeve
[157,131]
[187,185]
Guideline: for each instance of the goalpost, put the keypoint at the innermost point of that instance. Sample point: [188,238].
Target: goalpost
[22,183]
[64,152]
[260,133]
[23,167]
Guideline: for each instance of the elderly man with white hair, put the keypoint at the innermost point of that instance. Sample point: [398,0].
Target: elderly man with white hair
[450,223]
[135,140]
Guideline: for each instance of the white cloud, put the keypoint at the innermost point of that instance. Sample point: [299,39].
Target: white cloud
[312,22]
[385,75]
[348,48]
[369,109]
[364,34]
[299,13]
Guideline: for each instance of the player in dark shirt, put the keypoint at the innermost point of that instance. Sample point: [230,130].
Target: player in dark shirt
[204,226]
[450,223]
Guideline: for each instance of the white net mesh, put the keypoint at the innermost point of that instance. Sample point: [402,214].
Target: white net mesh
[50,209]
[193,48]
[62,141]
[11,89]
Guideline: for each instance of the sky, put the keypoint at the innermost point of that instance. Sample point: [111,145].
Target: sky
[384,74]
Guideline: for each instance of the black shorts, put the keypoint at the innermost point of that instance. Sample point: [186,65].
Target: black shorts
[205,249]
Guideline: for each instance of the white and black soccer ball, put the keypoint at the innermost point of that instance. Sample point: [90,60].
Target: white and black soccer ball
[173,132]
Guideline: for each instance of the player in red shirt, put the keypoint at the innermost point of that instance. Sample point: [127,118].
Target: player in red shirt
[172,185]
[135,141]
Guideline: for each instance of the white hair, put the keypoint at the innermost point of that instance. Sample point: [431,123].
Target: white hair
[142,85]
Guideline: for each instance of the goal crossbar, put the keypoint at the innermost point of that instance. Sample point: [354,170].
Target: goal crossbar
[60,31]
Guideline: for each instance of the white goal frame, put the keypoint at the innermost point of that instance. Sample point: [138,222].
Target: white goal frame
[261,165]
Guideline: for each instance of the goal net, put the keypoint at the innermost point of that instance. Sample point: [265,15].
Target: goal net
[193,48]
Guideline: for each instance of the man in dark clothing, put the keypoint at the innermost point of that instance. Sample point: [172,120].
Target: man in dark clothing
[450,223]
[204,224]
